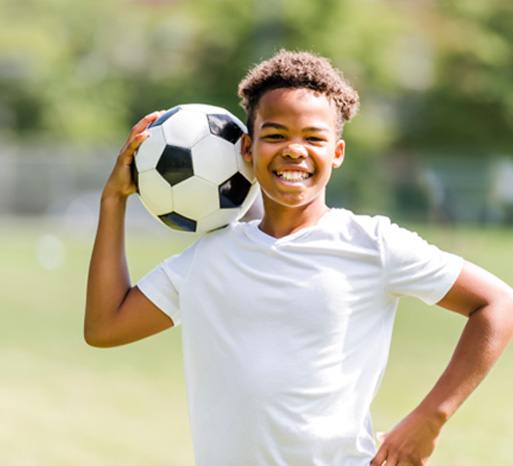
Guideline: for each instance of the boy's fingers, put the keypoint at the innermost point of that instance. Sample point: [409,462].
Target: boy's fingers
[137,135]
[146,121]
[132,145]
[392,461]
[380,458]
[381,455]
[138,140]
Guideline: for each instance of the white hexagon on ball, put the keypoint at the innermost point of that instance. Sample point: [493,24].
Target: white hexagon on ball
[205,108]
[215,219]
[155,192]
[214,159]
[150,150]
[195,197]
[185,128]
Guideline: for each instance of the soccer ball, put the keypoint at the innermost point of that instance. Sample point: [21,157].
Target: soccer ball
[189,173]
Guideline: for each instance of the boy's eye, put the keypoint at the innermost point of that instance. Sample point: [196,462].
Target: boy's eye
[273,136]
[315,139]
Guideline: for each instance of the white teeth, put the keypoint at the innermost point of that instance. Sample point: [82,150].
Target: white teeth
[293,175]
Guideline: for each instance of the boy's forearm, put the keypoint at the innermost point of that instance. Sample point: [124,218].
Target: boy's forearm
[485,336]
[109,280]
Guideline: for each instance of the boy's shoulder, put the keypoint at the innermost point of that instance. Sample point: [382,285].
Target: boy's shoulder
[376,234]
[354,224]
[216,239]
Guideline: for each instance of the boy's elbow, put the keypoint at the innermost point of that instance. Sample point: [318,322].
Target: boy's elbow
[507,320]
[497,316]
[96,338]
[91,339]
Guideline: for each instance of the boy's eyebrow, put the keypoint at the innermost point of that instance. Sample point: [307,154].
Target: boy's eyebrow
[272,124]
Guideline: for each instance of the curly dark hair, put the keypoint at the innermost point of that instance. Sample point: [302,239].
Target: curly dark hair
[287,69]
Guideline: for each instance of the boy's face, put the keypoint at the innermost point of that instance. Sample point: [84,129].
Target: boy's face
[294,147]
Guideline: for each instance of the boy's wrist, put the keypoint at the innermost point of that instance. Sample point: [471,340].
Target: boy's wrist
[113,197]
[435,416]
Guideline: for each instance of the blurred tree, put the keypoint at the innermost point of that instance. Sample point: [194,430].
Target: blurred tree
[468,108]
[432,74]
[83,72]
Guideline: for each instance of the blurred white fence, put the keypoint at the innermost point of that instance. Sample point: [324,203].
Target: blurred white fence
[66,185]
[61,187]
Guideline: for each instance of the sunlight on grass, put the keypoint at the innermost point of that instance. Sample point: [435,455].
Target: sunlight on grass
[64,403]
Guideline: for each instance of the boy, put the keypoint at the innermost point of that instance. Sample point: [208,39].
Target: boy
[282,364]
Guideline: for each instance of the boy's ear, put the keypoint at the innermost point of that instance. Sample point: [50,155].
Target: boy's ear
[340,150]
[245,148]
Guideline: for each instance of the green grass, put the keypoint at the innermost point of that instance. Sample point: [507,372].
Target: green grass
[63,403]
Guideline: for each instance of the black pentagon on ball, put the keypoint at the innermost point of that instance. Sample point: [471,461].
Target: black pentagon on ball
[233,191]
[178,222]
[165,116]
[224,127]
[175,164]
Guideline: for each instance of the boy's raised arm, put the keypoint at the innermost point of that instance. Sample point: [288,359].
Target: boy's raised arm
[488,304]
[117,313]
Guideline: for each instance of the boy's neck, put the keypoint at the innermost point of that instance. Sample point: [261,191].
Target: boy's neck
[280,221]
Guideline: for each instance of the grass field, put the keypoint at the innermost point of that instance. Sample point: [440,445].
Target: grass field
[63,403]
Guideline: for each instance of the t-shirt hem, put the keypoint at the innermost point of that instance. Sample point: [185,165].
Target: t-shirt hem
[454,268]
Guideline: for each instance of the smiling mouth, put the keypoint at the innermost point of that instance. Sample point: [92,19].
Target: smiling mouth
[289,175]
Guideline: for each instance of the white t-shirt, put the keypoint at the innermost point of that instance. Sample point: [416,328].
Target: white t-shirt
[285,340]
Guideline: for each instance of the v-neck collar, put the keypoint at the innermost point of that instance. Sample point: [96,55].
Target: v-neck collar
[253,230]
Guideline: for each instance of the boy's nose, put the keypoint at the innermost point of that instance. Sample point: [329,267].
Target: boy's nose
[295,151]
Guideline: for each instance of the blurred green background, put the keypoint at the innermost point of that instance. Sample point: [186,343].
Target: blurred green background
[432,147]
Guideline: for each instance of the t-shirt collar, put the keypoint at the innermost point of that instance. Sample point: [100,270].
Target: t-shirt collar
[254,232]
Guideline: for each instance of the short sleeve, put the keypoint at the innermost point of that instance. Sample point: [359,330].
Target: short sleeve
[413,267]
[162,285]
